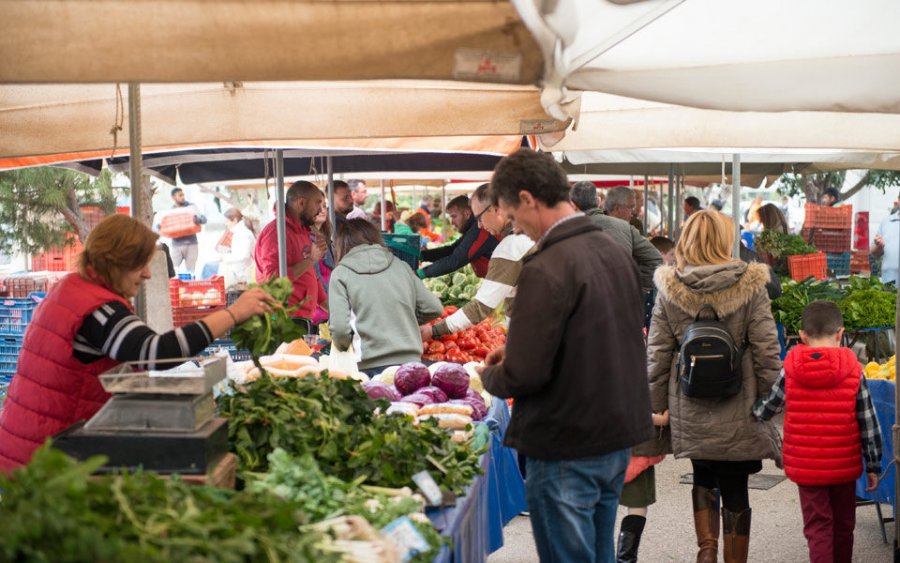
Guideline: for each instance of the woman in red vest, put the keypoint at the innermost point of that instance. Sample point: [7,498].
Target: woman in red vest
[86,326]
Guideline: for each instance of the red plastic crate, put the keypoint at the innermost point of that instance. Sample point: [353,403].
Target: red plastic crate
[178,224]
[23,286]
[63,259]
[804,266]
[829,240]
[859,262]
[861,237]
[196,293]
[824,217]
[186,315]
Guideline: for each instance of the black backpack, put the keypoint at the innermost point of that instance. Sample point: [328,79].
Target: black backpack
[709,361]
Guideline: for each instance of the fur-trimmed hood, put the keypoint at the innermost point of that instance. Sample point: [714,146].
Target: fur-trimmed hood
[726,287]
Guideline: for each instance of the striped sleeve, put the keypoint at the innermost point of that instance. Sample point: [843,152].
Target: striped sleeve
[114,331]
[498,285]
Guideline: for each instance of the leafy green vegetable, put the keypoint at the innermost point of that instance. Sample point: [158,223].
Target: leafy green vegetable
[323,497]
[334,421]
[869,308]
[864,302]
[52,511]
[262,334]
[778,245]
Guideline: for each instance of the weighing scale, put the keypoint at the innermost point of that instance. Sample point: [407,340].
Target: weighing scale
[161,421]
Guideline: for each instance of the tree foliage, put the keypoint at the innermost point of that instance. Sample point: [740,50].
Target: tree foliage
[40,206]
[813,186]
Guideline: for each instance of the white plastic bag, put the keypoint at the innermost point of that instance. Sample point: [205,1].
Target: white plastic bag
[342,360]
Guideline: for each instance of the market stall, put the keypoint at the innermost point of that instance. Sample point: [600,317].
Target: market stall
[883,392]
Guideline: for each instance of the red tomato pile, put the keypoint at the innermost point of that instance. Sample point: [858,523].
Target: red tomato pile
[470,345]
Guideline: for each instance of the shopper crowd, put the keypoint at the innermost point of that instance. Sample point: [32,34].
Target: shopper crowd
[604,359]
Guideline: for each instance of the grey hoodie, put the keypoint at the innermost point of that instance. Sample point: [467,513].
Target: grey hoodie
[377,303]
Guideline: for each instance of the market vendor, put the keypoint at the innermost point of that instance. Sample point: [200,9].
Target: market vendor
[475,246]
[303,202]
[85,326]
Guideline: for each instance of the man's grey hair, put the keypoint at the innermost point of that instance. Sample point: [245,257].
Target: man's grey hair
[356,184]
[617,197]
[427,199]
[584,195]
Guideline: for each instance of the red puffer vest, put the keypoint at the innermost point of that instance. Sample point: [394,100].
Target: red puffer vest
[821,435]
[51,389]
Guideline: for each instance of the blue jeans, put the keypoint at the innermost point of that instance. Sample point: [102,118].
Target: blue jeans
[573,506]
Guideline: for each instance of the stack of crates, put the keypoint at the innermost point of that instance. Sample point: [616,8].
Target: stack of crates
[15,314]
[830,229]
[194,299]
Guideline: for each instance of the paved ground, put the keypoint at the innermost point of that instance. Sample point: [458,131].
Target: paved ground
[777,528]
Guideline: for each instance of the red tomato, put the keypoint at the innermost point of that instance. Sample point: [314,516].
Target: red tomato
[448,337]
[456,356]
[467,343]
[433,357]
[436,347]
[451,345]
[481,351]
[450,309]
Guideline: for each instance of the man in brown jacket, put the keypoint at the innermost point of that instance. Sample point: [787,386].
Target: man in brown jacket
[574,362]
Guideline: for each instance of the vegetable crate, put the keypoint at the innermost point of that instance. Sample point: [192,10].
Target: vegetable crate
[838,263]
[405,247]
[829,240]
[196,293]
[859,262]
[803,266]
[10,346]
[58,259]
[15,314]
[824,217]
[186,315]
[21,286]
[178,224]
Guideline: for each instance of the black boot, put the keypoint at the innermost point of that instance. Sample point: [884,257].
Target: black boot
[630,538]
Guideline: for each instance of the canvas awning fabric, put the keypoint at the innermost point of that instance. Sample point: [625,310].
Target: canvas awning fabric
[48,124]
[81,41]
[766,55]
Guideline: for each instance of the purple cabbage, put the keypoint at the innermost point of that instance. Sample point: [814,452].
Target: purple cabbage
[452,379]
[379,390]
[435,393]
[411,377]
[419,399]
[479,410]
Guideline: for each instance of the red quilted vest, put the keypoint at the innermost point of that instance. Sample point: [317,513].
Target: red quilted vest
[821,435]
[51,389]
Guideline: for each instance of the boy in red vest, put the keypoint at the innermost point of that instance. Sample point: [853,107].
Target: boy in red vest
[829,427]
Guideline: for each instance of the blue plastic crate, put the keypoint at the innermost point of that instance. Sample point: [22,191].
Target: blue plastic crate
[16,313]
[838,263]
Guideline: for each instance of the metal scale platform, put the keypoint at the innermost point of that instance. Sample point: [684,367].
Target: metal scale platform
[160,421]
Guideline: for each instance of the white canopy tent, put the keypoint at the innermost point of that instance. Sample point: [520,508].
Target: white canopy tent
[767,55]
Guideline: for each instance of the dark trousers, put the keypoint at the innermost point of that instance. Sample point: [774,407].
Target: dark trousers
[829,516]
[728,477]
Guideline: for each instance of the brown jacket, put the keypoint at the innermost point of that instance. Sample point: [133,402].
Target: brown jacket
[575,357]
[715,429]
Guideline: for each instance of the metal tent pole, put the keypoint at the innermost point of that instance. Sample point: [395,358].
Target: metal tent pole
[279,213]
[678,208]
[383,228]
[646,206]
[736,202]
[137,181]
[670,216]
[329,165]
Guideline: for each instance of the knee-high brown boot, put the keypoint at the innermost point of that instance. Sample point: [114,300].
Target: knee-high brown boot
[706,522]
[736,535]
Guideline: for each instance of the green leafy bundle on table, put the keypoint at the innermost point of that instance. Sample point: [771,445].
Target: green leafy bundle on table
[780,245]
[262,334]
[334,421]
[52,511]
[323,497]
[457,288]
[869,308]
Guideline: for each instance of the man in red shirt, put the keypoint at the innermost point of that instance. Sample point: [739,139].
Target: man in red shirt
[305,247]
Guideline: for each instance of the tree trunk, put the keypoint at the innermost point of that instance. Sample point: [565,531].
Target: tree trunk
[72,213]
[863,182]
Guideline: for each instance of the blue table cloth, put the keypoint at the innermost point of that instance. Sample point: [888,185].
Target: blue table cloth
[475,524]
[883,397]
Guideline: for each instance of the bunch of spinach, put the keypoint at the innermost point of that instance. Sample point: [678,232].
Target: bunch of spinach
[779,245]
[334,421]
[52,511]
[262,334]
[795,296]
